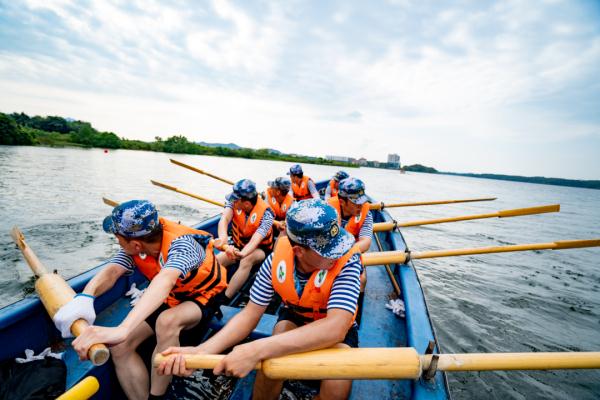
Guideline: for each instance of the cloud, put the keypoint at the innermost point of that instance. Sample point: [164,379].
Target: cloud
[435,82]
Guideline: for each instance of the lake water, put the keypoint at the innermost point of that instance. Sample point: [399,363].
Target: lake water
[513,302]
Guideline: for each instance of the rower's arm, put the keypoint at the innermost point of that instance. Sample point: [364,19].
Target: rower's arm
[313,190]
[266,224]
[226,218]
[104,280]
[319,334]
[328,192]
[365,236]
[153,297]
[236,330]
[364,244]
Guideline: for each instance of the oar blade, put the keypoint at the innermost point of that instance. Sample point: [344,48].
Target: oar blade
[163,185]
[576,244]
[529,211]
[514,361]
[109,202]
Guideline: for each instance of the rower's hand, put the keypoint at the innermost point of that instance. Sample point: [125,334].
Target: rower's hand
[98,334]
[239,254]
[231,252]
[239,363]
[218,243]
[174,363]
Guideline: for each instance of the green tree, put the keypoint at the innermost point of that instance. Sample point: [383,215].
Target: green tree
[11,134]
[85,135]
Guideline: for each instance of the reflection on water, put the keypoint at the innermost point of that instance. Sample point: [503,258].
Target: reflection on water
[527,301]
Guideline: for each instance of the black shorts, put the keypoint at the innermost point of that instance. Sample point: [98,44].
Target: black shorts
[285,314]
[208,311]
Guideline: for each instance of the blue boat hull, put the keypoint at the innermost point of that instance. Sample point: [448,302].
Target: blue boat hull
[25,325]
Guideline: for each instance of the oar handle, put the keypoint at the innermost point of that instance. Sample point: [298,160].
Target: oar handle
[222,247]
[97,353]
[54,293]
[201,171]
[361,363]
[81,391]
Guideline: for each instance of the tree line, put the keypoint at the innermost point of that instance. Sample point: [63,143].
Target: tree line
[21,129]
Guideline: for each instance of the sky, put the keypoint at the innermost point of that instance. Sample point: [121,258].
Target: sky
[509,87]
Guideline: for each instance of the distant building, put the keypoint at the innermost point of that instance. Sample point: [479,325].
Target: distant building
[338,158]
[362,161]
[393,161]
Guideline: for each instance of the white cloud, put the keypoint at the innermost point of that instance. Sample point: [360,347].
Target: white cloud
[266,78]
[253,46]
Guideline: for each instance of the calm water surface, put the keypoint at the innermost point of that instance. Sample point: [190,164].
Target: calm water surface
[530,301]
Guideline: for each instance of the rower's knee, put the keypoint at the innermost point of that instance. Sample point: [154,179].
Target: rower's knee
[245,264]
[122,350]
[167,326]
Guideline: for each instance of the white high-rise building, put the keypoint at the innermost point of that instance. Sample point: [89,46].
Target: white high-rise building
[393,160]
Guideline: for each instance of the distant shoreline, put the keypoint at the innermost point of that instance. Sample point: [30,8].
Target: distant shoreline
[532,179]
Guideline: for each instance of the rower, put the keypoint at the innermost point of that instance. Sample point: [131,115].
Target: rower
[315,270]
[334,184]
[280,199]
[302,186]
[251,221]
[353,212]
[184,282]
[352,207]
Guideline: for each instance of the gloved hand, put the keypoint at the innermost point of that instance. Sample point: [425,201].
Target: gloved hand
[135,293]
[81,307]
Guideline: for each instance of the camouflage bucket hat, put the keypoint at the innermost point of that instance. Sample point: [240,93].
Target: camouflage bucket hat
[281,182]
[314,223]
[340,175]
[244,188]
[354,190]
[295,169]
[132,219]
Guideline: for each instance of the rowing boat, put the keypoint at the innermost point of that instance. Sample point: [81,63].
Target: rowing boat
[25,325]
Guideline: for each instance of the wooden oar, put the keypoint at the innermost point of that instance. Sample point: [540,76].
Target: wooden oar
[110,202]
[81,391]
[401,257]
[381,206]
[396,363]
[517,212]
[54,293]
[200,171]
[173,188]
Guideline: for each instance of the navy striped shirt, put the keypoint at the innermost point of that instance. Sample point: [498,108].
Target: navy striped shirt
[185,255]
[344,292]
[266,221]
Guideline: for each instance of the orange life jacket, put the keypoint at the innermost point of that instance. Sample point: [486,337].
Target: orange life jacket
[201,284]
[243,228]
[313,303]
[334,187]
[354,223]
[280,210]
[301,191]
